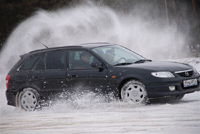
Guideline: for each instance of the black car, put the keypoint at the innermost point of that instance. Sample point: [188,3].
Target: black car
[98,67]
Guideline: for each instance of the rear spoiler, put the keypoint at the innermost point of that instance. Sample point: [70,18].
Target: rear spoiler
[21,56]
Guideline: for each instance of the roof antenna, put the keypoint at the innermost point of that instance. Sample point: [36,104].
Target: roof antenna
[38,41]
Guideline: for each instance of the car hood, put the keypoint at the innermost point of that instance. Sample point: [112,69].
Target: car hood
[160,66]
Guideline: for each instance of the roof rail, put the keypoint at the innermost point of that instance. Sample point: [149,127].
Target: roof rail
[96,43]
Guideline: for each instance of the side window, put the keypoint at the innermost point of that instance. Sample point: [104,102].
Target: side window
[81,59]
[55,60]
[29,63]
[41,64]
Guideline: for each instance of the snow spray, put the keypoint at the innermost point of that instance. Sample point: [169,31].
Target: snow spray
[88,23]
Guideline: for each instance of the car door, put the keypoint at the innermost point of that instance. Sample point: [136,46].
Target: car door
[82,77]
[50,72]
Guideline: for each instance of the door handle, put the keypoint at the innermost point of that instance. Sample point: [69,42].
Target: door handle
[35,77]
[38,77]
[72,75]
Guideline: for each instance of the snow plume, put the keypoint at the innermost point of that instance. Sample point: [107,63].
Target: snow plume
[90,23]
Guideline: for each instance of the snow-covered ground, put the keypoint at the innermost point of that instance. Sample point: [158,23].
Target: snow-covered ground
[91,115]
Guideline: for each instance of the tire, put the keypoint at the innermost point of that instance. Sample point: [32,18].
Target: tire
[134,92]
[27,99]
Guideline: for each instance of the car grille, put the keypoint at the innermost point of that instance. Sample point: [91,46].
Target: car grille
[185,73]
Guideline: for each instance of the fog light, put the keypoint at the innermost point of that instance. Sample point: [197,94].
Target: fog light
[172,88]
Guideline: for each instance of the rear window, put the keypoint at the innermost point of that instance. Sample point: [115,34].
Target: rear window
[27,65]
[41,63]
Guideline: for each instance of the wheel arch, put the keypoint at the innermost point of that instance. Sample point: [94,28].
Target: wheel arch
[123,81]
[28,85]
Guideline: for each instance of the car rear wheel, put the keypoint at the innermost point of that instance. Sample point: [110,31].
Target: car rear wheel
[134,91]
[28,99]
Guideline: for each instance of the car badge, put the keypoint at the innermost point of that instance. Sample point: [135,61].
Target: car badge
[186,74]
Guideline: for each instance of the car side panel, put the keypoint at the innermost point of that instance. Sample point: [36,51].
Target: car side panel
[50,82]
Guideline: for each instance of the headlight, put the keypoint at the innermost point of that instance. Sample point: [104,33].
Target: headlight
[163,74]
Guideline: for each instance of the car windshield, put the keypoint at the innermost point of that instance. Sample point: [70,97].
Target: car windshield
[118,55]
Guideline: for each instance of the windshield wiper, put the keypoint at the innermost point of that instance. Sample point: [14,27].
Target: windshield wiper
[125,63]
[142,60]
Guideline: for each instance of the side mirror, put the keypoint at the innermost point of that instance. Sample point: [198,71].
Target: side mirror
[97,65]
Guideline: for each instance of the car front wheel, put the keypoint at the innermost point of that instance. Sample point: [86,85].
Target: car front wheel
[134,91]
[27,99]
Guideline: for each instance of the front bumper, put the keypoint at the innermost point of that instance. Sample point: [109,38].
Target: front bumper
[161,88]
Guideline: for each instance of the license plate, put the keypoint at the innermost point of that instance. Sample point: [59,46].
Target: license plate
[190,83]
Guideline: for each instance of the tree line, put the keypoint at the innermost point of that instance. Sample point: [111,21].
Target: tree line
[164,12]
